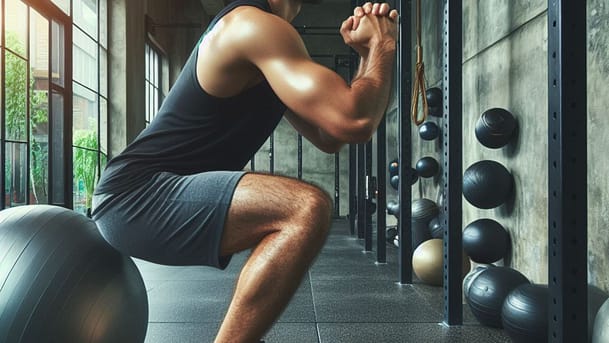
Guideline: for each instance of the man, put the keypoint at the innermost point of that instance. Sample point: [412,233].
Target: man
[177,195]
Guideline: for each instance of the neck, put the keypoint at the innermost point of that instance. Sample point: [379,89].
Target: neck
[286,9]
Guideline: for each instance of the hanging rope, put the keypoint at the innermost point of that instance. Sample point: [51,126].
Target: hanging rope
[419,81]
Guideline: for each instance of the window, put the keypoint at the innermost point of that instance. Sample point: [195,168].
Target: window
[53,75]
[154,96]
[28,80]
[90,102]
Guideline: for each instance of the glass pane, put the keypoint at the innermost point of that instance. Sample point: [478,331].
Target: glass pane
[16,96]
[58,54]
[63,4]
[103,125]
[16,26]
[147,102]
[85,171]
[85,60]
[84,117]
[15,174]
[39,108]
[57,152]
[103,23]
[103,72]
[85,16]
[147,58]
[39,169]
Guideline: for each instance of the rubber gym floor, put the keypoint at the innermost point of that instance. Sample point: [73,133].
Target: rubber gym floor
[345,297]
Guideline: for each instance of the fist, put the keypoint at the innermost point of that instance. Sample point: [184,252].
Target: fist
[370,24]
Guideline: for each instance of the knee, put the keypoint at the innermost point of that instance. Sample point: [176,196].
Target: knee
[316,209]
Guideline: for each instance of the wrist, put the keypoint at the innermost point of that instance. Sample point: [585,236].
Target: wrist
[384,45]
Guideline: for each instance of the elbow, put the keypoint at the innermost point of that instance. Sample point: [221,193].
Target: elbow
[356,131]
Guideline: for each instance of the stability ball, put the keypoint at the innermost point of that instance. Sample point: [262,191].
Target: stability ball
[495,128]
[600,332]
[525,314]
[596,299]
[488,291]
[471,276]
[485,241]
[427,262]
[434,97]
[422,212]
[61,280]
[429,131]
[487,184]
[435,228]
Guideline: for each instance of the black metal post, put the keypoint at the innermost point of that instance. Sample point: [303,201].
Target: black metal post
[361,191]
[405,150]
[453,169]
[272,153]
[253,163]
[368,195]
[352,186]
[299,156]
[337,185]
[381,196]
[567,172]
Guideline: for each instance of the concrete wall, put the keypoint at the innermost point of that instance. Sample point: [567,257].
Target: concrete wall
[128,33]
[505,65]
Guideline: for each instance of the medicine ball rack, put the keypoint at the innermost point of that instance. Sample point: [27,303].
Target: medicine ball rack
[567,173]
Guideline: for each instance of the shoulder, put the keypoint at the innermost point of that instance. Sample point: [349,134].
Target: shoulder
[255,30]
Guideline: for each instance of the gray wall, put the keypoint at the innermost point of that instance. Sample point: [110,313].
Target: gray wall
[128,32]
[505,65]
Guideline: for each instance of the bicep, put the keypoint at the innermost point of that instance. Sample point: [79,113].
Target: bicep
[315,93]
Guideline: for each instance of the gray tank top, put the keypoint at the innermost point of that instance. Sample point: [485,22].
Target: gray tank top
[194,131]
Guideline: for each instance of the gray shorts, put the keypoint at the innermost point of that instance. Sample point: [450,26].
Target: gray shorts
[171,219]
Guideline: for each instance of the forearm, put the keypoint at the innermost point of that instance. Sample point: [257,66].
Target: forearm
[371,85]
[314,134]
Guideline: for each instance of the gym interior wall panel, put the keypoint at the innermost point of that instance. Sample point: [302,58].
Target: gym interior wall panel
[262,160]
[126,41]
[344,181]
[286,149]
[487,22]
[598,145]
[318,167]
[432,33]
[512,74]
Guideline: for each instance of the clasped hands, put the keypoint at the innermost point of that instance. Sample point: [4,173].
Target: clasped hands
[370,24]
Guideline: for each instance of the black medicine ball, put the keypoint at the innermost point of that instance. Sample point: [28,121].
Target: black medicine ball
[487,184]
[495,128]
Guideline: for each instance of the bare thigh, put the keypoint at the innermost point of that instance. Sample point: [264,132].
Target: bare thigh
[263,204]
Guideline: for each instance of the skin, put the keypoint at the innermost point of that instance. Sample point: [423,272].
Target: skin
[285,221]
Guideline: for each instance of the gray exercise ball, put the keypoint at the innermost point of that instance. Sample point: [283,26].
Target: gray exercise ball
[600,334]
[61,280]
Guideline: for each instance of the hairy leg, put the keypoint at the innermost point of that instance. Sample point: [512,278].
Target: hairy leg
[286,221]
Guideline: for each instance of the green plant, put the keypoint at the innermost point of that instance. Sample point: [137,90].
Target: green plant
[85,161]
[16,127]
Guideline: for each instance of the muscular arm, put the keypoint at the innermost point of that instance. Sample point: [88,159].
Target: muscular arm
[318,97]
